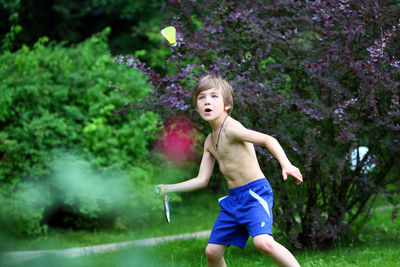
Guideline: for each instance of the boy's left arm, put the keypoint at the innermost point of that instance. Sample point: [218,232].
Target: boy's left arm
[246,135]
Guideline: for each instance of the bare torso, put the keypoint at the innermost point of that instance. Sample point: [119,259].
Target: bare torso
[237,160]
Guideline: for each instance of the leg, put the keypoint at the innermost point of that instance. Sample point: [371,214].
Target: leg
[267,245]
[215,255]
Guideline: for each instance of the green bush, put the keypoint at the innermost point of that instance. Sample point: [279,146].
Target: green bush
[57,102]
[22,209]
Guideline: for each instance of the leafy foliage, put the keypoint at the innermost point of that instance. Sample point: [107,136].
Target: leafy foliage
[57,116]
[131,21]
[321,76]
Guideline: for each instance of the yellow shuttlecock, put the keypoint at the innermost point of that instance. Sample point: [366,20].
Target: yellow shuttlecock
[169,33]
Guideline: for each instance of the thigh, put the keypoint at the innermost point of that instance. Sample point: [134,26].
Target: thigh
[227,231]
[258,216]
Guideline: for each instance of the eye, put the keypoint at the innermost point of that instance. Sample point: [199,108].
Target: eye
[214,96]
[201,97]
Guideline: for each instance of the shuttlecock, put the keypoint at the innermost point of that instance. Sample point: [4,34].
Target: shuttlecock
[169,33]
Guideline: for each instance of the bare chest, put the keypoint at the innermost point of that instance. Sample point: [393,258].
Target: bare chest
[232,156]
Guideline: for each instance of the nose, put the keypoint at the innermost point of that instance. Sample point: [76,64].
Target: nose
[208,101]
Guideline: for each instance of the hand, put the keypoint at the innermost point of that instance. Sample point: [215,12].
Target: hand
[159,190]
[292,171]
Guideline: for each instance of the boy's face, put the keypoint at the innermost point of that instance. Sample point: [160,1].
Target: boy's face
[210,104]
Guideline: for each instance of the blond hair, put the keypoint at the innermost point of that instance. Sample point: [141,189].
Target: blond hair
[214,81]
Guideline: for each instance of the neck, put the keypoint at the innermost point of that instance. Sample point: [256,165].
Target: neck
[217,123]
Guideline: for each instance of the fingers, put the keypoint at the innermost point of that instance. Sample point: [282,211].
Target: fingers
[299,177]
[294,172]
[284,175]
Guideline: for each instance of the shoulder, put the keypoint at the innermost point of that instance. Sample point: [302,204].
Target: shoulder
[236,132]
[207,143]
[232,124]
[233,128]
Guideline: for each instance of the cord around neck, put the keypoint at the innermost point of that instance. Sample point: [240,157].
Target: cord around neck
[219,133]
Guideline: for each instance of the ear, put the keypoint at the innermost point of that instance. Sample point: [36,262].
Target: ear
[227,108]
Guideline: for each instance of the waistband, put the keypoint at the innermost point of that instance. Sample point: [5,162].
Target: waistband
[246,187]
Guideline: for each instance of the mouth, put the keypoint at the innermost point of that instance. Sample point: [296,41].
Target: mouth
[207,111]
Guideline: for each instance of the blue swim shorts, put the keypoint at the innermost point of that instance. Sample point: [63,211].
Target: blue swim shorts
[247,210]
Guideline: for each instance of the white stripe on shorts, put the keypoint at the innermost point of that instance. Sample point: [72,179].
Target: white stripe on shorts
[222,198]
[261,200]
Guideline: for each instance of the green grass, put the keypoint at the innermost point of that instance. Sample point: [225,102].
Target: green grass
[195,213]
[380,247]
[377,245]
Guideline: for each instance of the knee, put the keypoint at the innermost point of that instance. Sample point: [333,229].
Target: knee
[213,253]
[265,246]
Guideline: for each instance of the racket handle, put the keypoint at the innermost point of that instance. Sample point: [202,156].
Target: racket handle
[157,190]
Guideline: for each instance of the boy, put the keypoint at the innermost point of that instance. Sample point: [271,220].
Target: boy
[247,210]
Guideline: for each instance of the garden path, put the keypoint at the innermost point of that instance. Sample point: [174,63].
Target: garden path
[18,256]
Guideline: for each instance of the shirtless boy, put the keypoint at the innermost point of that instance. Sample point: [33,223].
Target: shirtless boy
[247,210]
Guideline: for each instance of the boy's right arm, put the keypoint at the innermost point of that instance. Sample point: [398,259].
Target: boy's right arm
[201,181]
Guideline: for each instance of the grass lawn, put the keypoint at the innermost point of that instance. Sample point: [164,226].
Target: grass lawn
[197,213]
[379,245]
